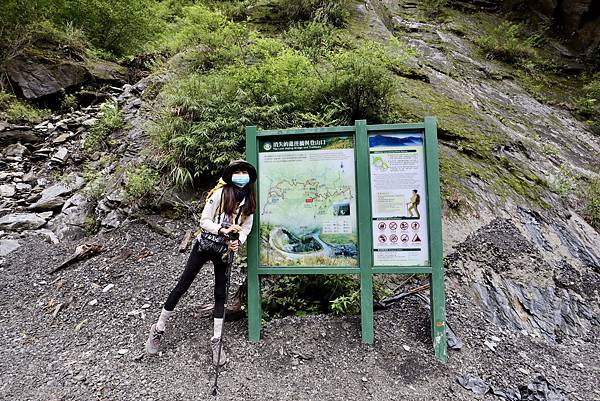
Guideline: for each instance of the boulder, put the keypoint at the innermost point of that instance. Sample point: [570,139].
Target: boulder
[10,136]
[34,77]
[7,190]
[8,245]
[21,221]
[70,224]
[107,71]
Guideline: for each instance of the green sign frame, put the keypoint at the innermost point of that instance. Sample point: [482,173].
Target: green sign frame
[365,269]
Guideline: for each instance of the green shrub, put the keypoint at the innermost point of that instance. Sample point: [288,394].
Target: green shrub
[361,80]
[140,181]
[120,27]
[591,196]
[14,110]
[110,121]
[314,39]
[505,43]
[301,295]
[334,12]
[432,8]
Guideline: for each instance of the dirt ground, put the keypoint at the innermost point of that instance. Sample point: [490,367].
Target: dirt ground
[71,336]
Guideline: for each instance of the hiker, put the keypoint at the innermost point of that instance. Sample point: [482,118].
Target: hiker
[415,199]
[228,210]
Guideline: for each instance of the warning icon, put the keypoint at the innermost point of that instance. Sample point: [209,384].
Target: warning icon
[404,238]
[382,239]
[393,238]
[404,226]
[415,225]
[416,238]
[381,226]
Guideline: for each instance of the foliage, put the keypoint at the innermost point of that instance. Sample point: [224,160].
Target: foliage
[300,295]
[140,181]
[68,103]
[14,110]
[314,39]
[505,43]
[110,121]
[119,27]
[591,209]
[200,127]
[334,12]
[433,8]
[589,104]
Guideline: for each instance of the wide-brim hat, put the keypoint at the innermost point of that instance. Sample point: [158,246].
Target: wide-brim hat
[238,165]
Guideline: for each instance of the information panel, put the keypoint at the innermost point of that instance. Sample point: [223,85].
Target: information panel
[307,201]
[398,199]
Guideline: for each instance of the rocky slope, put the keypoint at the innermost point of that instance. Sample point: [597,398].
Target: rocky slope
[523,267]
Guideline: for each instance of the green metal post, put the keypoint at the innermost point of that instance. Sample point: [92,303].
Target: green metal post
[364,230]
[254,307]
[438,301]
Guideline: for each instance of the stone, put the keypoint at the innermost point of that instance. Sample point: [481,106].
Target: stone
[89,122]
[61,155]
[18,136]
[21,221]
[53,197]
[62,137]
[22,186]
[70,224]
[45,215]
[107,71]
[49,235]
[8,245]
[34,77]
[7,190]
[15,151]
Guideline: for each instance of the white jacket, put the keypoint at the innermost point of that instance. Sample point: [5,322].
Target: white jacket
[209,219]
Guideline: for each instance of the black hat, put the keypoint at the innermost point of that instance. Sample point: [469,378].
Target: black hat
[238,165]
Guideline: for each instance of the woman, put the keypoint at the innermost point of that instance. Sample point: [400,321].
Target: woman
[227,211]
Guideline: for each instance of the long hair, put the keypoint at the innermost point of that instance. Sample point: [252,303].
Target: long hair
[229,203]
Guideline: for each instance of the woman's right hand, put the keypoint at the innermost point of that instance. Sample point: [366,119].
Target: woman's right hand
[232,228]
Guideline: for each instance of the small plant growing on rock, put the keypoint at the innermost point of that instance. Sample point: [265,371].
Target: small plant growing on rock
[14,110]
[505,43]
[140,181]
[111,120]
[592,203]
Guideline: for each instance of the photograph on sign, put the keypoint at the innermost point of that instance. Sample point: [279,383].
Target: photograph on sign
[398,199]
[307,201]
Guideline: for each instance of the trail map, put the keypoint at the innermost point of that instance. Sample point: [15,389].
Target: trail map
[307,202]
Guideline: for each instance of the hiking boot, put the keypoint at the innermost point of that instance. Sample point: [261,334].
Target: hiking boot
[153,342]
[214,344]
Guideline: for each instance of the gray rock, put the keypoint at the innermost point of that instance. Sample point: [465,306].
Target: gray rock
[15,151]
[34,77]
[113,219]
[8,137]
[61,155]
[22,186]
[49,235]
[21,221]
[53,197]
[70,223]
[7,190]
[8,245]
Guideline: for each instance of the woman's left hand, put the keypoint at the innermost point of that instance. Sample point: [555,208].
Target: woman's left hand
[234,245]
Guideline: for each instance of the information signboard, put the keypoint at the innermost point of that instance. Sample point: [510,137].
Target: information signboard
[398,197]
[361,199]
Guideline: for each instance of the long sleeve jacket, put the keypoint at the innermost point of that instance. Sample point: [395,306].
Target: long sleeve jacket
[210,220]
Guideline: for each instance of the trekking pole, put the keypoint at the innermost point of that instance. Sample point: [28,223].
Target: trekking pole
[230,255]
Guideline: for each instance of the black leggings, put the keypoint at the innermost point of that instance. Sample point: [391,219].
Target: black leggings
[195,262]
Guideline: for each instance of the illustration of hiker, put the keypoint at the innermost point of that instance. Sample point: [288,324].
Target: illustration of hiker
[415,199]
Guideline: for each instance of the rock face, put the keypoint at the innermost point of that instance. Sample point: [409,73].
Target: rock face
[35,77]
[578,19]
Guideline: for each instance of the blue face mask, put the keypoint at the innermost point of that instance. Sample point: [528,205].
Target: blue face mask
[240,179]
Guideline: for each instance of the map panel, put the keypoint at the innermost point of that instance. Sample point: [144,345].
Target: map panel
[307,197]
